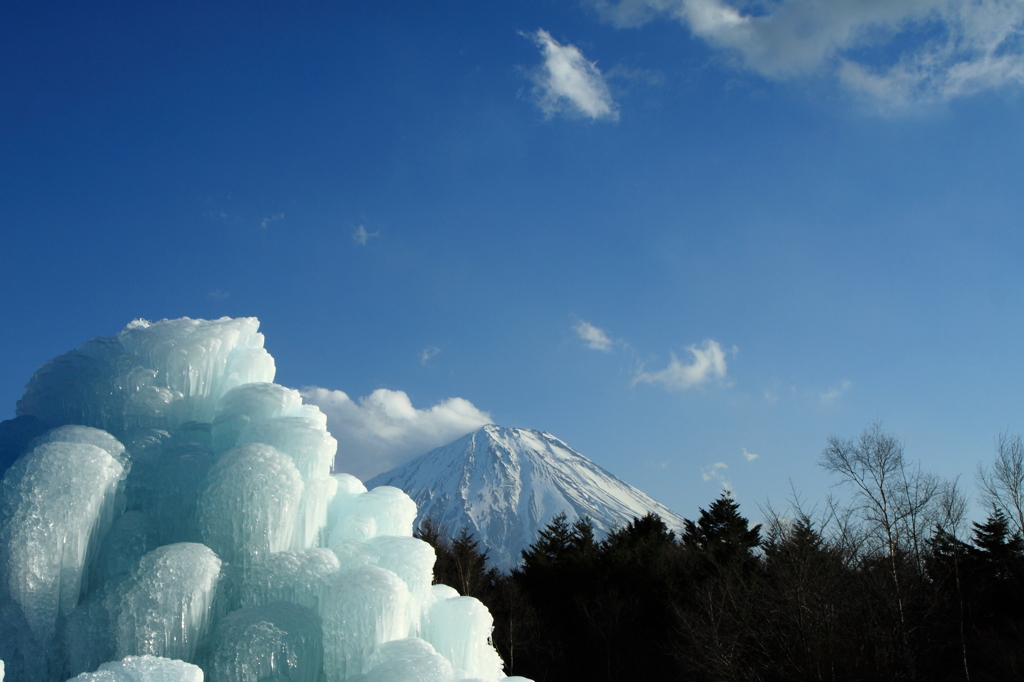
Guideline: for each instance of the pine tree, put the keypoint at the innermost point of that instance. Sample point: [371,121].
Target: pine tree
[995,539]
[721,533]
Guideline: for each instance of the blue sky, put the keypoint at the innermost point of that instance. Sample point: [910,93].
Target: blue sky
[673,233]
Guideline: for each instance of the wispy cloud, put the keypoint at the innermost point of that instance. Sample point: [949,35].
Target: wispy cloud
[274,218]
[829,396]
[716,472]
[708,363]
[898,53]
[749,456]
[384,430]
[594,337]
[218,294]
[569,84]
[361,236]
[428,353]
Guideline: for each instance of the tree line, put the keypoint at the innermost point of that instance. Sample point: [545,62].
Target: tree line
[892,583]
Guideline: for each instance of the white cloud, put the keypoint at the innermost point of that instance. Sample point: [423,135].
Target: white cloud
[749,456]
[384,430]
[428,353]
[716,472]
[361,236]
[831,394]
[569,84]
[708,364]
[770,397]
[897,52]
[274,218]
[594,337]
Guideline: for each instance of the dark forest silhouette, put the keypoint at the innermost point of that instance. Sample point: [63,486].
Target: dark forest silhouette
[890,586]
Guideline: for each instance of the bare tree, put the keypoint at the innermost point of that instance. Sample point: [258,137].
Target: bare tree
[952,504]
[1002,486]
[897,502]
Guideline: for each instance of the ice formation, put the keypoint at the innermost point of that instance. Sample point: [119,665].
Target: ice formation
[144,669]
[169,511]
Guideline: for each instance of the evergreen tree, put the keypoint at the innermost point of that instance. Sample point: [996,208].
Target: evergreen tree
[994,539]
[715,611]
[722,534]
[561,545]
[460,562]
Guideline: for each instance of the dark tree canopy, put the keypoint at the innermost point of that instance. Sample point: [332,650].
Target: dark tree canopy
[890,588]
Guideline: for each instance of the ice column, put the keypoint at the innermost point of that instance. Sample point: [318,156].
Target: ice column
[412,560]
[460,629]
[168,605]
[249,504]
[55,503]
[365,608]
[274,415]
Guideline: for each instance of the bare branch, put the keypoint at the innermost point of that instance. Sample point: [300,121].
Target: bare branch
[1002,486]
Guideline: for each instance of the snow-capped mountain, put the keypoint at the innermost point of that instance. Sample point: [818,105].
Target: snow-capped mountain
[505,484]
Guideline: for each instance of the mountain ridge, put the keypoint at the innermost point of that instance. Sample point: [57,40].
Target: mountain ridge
[505,484]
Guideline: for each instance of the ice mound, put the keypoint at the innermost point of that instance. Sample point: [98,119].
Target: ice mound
[276,641]
[361,515]
[151,374]
[143,669]
[302,577]
[407,660]
[171,507]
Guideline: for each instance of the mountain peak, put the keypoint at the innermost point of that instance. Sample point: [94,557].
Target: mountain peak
[504,484]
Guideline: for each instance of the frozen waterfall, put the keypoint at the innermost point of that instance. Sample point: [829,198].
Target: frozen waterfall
[170,515]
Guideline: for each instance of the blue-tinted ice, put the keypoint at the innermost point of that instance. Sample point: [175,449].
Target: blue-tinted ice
[170,512]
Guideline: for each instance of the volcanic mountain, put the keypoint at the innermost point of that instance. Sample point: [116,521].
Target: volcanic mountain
[506,484]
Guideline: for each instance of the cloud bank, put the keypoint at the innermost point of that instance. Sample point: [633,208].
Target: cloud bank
[569,84]
[708,364]
[383,430]
[897,52]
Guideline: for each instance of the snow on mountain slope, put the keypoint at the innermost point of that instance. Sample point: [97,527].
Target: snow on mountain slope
[505,484]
